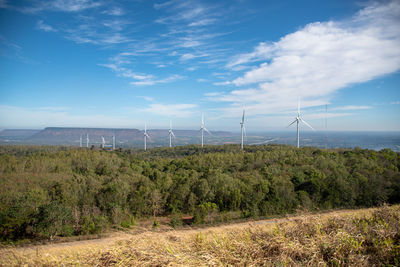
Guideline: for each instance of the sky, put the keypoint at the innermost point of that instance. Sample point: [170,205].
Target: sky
[109,63]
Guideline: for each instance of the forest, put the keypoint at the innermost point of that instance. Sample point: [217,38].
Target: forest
[49,191]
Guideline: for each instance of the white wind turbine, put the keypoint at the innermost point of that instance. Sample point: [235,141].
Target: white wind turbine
[145,137]
[103,142]
[80,141]
[202,129]
[298,119]
[171,134]
[87,140]
[243,131]
[113,138]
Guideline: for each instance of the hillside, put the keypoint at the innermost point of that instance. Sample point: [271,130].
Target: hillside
[368,237]
[53,192]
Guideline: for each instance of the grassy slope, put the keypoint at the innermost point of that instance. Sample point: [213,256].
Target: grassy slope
[360,237]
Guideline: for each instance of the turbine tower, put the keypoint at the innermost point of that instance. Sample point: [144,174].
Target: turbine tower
[298,119]
[171,134]
[87,140]
[113,141]
[202,129]
[243,131]
[80,141]
[145,137]
[103,142]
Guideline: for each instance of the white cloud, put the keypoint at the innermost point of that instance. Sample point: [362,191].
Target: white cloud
[57,5]
[116,11]
[352,108]
[318,60]
[187,56]
[202,22]
[153,81]
[73,5]
[222,83]
[177,110]
[395,103]
[44,27]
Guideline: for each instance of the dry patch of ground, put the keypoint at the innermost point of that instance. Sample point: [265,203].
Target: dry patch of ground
[353,237]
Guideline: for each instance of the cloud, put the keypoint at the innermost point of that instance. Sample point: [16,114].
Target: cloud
[261,52]
[202,22]
[73,5]
[175,110]
[352,108]
[44,27]
[147,98]
[55,5]
[116,11]
[318,60]
[152,81]
[395,103]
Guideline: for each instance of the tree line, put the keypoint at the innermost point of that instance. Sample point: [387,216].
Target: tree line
[62,191]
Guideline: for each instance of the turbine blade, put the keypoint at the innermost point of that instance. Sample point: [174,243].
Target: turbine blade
[243,117]
[244,130]
[291,123]
[202,118]
[307,124]
[173,134]
[205,129]
[148,136]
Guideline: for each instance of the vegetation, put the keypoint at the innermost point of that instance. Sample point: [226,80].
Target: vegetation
[60,191]
[341,238]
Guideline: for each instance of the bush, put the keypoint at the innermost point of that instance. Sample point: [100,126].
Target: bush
[176,220]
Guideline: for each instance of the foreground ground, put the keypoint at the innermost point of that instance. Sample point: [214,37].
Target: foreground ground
[364,237]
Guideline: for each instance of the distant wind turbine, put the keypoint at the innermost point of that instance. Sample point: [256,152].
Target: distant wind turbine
[80,141]
[145,137]
[202,129]
[171,134]
[103,142]
[298,119]
[113,138]
[243,130]
[87,140]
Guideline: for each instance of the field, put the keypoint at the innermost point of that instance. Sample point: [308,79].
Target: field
[365,237]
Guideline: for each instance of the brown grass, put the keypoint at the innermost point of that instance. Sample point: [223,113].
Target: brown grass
[368,237]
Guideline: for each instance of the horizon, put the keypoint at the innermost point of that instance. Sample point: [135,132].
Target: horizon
[120,64]
[305,130]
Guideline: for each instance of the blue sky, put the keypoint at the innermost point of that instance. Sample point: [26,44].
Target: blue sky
[89,63]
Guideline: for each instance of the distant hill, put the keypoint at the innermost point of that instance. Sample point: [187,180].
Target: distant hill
[63,135]
[124,137]
[20,133]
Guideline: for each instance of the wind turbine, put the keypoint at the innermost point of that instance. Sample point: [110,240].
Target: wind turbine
[145,137]
[113,141]
[202,129]
[80,141]
[298,119]
[243,130]
[87,140]
[103,142]
[171,134]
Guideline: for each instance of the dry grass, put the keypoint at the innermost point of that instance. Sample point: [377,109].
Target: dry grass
[365,237]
